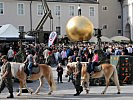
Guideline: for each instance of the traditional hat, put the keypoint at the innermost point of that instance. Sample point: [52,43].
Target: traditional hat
[4,57]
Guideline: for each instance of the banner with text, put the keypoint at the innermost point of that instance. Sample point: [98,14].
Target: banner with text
[52,38]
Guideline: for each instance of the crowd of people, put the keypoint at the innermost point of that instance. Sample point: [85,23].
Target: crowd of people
[59,55]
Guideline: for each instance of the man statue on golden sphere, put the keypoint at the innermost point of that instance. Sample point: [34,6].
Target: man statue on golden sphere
[79,28]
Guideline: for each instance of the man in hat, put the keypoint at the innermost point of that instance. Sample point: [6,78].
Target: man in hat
[6,76]
[77,77]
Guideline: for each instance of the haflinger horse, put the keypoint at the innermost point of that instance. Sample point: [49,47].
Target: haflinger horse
[45,71]
[107,70]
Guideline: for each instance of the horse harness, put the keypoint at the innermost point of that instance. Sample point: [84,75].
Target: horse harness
[97,68]
[35,69]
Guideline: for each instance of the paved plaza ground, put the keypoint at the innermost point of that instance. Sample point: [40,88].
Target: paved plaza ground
[66,90]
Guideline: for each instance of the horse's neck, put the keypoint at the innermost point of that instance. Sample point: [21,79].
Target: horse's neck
[15,67]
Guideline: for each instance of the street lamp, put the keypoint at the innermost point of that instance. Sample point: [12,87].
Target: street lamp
[31,15]
[98,35]
[21,37]
[100,51]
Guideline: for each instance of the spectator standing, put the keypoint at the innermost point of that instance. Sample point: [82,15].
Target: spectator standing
[90,53]
[74,56]
[69,52]
[36,57]
[10,54]
[46,54]
[64,56]
[60,73]
[71,74]
[117,51]
[79,10]
[57,56]
[51,59]
[130,50]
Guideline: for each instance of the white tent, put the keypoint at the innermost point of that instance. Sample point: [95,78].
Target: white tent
[8,31]
[103,39]
[120,38]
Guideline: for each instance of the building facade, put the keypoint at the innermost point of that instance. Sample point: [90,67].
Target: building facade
[128,18]
[116,18]
[110,18]
[25,15]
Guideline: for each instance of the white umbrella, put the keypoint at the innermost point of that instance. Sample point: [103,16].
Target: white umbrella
[120,38]
[103,39]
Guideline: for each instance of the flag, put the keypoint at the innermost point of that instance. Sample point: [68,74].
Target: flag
[52,38]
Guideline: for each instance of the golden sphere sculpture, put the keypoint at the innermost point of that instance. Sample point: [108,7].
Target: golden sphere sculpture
[79,28]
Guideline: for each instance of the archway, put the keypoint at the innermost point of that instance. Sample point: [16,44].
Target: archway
[128,31]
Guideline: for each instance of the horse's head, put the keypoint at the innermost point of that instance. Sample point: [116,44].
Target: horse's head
[69,70]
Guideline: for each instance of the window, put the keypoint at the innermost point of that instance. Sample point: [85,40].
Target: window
[71,10]
[119,32]
[21,28]
[105,8]
[119,17]
[1,8]
[58,30]
[91,11]
[39,9]
[20,9]
[71,0]
[104,26]
[57,11]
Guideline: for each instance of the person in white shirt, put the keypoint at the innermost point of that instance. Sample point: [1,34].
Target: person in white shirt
[130,50]
[45,54]
[10,54]
[79,10]
[57,56]
[64,56]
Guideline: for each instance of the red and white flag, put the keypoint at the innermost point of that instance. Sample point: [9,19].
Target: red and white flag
[52,38]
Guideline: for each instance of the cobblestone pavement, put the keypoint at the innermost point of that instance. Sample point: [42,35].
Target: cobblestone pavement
[66,90]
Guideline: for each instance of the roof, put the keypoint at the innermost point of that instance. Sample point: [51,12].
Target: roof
[120,38]
[8,31]
[103,39]
[68,1]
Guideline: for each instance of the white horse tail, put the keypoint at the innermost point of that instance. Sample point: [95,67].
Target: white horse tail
[52,82]
[116,79]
